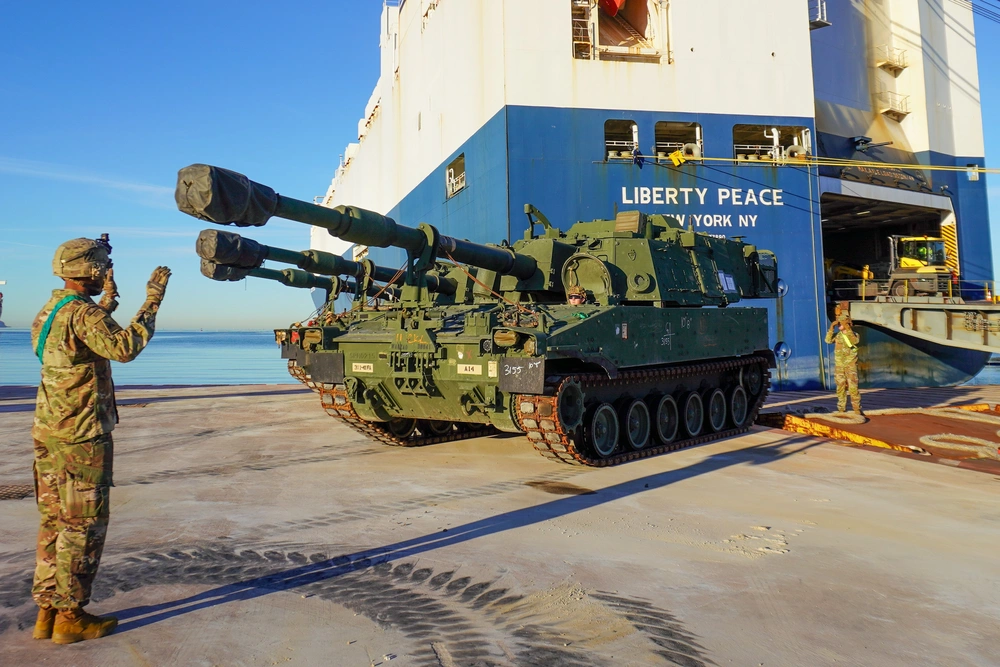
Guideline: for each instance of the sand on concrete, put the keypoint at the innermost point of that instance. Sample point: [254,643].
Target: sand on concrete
[248,528]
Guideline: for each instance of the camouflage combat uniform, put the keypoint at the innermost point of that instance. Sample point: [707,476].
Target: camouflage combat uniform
[74,416]
[845,369]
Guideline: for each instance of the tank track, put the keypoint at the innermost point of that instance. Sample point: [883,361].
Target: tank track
[538,415]
[300,374]
[336,403]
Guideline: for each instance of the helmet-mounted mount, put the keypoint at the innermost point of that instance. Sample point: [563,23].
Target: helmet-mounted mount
[83,259]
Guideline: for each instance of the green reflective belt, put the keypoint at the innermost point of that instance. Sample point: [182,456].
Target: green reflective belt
[43,335]
[847,341]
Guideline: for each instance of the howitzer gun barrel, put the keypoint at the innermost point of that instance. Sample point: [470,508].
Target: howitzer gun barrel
[291,278]
[228,198]
[231,249]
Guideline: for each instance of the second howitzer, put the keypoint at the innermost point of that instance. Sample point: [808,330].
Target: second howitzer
[640,368]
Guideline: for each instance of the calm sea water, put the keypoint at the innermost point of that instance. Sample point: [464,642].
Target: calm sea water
[201,357]
[172,357]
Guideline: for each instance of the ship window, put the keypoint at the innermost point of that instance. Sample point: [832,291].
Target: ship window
[771,143]
[621,138]
[973,171]
[455,176]
[674,136]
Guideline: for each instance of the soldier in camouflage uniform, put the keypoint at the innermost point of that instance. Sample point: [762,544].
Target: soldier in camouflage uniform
[74,338]
[845,357]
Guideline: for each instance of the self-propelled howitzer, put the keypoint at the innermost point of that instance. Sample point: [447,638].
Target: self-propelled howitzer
[655,359]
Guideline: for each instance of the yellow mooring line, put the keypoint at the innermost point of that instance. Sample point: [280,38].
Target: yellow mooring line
[796,424]
[809,427]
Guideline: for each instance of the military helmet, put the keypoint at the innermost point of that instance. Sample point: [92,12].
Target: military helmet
[576,290]
[843,310]
[81,258]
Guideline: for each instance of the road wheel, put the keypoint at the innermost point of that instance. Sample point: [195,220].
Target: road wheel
[401,427]
[667,420]
[694,414]
[602,430]
[438,428]
[716,410]
[739,406]
[635,416]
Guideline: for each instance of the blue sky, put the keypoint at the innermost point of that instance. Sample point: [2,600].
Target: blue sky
[101,103]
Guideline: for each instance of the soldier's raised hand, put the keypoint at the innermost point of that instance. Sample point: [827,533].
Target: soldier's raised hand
[110,288]
[157,285]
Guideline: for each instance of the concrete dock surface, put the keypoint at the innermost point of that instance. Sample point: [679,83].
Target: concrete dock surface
[249,528]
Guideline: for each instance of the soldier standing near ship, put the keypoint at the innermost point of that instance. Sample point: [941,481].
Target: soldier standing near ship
[845,357]
[74,339]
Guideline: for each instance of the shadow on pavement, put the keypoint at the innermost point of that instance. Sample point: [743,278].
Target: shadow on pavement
[137,617]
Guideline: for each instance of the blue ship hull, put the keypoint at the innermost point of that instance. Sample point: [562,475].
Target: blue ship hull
[555,159]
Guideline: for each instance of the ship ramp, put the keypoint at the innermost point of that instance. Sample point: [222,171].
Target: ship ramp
[942,320]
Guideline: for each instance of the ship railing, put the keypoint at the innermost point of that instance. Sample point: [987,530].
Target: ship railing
[664,149]
[619,150]
[817,14]
[456,184]
[892,104]
[861,289]
[858,289]
[891,59]
[758,153]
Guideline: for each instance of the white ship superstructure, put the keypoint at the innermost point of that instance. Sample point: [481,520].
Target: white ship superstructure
[485,105]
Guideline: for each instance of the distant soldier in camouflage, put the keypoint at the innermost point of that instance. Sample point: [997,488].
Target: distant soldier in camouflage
[74,339]
[841,333]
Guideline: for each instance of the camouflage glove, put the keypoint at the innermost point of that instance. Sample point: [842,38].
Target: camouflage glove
[109,301]
[157,285]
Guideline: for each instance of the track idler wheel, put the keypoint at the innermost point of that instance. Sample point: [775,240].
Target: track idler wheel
[667,420]
[739,406]
[601,432]
[716,410]
[753,380]
[693,414]
[637,426]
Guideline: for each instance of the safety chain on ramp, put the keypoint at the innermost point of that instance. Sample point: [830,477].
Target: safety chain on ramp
[538,415]
[336,404]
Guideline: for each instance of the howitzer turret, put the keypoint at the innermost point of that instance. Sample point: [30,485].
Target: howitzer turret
[634,365]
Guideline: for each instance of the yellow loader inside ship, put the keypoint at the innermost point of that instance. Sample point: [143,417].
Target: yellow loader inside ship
[919,266]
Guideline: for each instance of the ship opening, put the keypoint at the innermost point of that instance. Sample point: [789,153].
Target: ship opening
[618,30]
[875,248]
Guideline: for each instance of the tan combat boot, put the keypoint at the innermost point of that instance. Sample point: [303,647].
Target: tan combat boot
[43,623]
[74,625]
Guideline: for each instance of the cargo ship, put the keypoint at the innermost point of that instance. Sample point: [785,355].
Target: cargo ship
[818,129]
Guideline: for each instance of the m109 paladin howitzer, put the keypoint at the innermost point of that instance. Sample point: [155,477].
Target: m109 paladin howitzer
[654,360]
